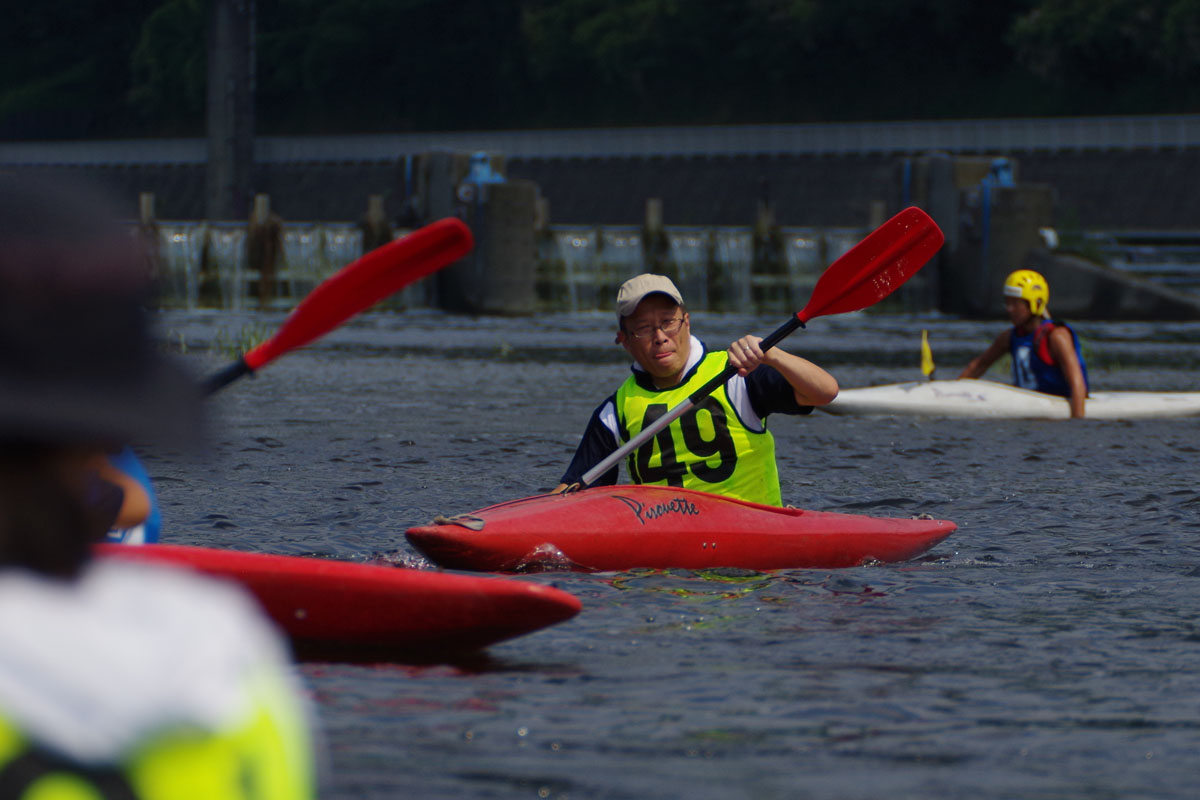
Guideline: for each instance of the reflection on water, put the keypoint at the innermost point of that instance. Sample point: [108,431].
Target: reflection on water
[1046,649]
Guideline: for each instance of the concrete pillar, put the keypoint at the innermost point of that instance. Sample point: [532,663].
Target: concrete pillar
[148,233]
[1017,213]
[723,294]
[230,108]
[656,248]
[436,177]
[374,225]
[770,289]
[877,214]
[929,183]
[998,232]
[264,244]
[499,275]
[941,197]
[146,207]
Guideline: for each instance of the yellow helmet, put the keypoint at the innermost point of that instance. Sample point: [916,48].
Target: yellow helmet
[1030,286]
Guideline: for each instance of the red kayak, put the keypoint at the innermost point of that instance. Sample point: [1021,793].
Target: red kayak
[623,527]
[339,610]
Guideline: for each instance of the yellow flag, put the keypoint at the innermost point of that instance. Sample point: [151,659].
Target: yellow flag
[926,356]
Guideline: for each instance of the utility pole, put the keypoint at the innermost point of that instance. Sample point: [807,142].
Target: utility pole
[230,109]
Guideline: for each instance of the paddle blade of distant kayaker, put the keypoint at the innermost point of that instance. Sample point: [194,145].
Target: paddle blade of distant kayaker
[356,287]
[865,274]
[876,266]
[927,367]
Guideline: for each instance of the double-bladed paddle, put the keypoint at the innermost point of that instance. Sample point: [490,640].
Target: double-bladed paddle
[867,273]
[354,288]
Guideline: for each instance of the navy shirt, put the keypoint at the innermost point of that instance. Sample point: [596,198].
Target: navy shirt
[766,391]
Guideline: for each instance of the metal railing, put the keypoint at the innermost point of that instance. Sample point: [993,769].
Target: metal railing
[1051,134]
[1171,258]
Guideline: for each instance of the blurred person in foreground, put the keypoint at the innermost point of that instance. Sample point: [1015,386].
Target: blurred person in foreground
[1046,355]
[723,445]
[117,679]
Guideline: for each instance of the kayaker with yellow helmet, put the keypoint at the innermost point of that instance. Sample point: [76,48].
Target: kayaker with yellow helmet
[117,679]
[1046,355]
[722,446]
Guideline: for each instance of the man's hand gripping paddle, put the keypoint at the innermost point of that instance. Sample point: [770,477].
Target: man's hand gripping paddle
[354,288]
[867,273]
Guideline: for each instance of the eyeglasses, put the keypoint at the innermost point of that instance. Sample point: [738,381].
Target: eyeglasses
[668,326]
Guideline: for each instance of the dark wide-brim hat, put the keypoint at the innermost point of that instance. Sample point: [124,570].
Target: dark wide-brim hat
[78,364]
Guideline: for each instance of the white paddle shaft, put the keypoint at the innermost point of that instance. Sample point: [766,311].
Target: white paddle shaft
[644,436]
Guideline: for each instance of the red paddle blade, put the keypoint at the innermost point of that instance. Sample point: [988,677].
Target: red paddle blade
[363,283]
[876,266]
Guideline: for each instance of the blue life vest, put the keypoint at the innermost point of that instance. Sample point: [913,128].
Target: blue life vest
[146,533]
[1033,364]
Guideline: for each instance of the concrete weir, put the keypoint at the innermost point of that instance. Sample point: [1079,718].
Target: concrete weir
[1082,289]
[995,224]
[745,216]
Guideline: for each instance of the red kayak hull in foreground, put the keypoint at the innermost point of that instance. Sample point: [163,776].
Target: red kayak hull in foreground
[609,528]
[339,610]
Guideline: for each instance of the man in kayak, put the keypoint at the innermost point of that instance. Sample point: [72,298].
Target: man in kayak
[1046,356]
[721,446]
[117,678]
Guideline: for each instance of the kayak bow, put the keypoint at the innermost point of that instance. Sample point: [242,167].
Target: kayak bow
[340,610]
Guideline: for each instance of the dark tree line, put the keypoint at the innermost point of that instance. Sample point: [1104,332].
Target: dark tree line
[78,68]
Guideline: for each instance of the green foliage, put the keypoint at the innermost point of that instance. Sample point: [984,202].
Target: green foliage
[137,67]
[707,60]
[233,345]
[169,63]
[1109,40]
[175,342]
[64,63]
[1140,54]
[362,65]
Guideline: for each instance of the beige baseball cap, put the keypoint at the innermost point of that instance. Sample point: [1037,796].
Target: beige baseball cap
[635,289]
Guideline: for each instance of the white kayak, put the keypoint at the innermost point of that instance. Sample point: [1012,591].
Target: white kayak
[976,398]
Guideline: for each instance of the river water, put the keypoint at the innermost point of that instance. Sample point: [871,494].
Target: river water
[1048,649]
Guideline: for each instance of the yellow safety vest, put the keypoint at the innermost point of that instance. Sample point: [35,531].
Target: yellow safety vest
[709,448]
[267,758]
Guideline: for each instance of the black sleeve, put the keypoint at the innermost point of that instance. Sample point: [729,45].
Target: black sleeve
[770,393]
[597,444]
